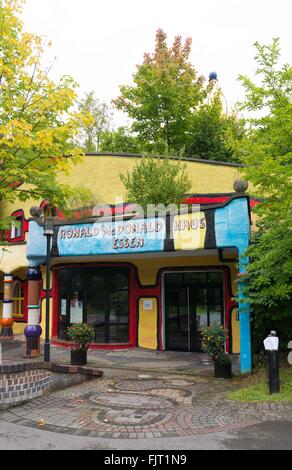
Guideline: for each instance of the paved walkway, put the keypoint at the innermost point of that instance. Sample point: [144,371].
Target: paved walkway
[134,359]
[139,406]
[146,400]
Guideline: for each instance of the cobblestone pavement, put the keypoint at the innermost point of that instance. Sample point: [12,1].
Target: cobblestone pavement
[126,405]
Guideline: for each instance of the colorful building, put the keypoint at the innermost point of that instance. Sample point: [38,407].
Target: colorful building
[150,282]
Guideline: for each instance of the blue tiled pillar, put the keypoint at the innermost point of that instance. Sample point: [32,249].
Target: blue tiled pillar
[232,229]
[244,321]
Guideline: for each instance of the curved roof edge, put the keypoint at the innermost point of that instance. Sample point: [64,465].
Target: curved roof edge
[186,159]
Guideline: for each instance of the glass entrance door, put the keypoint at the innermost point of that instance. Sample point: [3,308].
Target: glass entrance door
[192,300]
[177,318]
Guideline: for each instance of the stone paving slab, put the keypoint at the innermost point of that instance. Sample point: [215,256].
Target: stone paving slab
[129,406]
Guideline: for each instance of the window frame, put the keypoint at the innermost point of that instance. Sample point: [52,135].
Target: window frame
[20,317]
[84,272]
[17,235]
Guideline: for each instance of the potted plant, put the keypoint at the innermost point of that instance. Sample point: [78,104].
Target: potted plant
[82,334]
[213,340]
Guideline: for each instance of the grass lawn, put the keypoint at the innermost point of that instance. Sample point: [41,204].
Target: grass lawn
[255,387]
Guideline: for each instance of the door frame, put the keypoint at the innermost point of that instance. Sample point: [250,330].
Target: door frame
[83,271]
[187,270]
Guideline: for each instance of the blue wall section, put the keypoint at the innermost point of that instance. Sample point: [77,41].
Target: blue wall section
[232,225]
[36,245]
[232,228]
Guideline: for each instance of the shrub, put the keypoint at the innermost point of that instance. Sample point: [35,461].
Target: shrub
[213,340]
[82,334]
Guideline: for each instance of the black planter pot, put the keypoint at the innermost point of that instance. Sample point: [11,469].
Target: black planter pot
[223,371]
[78,357]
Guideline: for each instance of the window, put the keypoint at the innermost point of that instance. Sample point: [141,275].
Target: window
[98,296]
[18,299]
[19,227]
[16,228]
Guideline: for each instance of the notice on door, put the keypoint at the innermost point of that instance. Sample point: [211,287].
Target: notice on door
[148,304]
[76,311]
[63,307]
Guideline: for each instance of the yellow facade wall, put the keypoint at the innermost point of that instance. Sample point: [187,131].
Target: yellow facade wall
[12,258]
[148,268]
[101,174]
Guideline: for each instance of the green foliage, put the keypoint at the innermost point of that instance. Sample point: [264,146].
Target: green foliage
[37,123]
[167,104]
[266,319]
[120,141]
[270,263]
[211,131]
[266,151]
[100,114]
[81,200]
[156,181]
[213,342]
[82,334]
[165,93]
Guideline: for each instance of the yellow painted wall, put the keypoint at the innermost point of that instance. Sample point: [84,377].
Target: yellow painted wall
[147,327]
[101,174]
[148,268]
[12,258]
[18,328]
[7,208]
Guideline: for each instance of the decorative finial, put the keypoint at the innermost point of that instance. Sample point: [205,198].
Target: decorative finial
[35,211]
[213,76]
[240,186]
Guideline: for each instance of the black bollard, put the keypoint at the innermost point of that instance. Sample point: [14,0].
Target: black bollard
[273,366]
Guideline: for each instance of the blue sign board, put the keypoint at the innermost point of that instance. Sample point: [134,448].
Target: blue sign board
[134,236]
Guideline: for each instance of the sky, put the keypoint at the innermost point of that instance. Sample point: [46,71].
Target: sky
[100,42]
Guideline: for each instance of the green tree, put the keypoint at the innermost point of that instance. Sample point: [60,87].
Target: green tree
[90,132]
[266,152]
[156,181]
[211,132]
[36,121]
[120,141]
[164,96]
